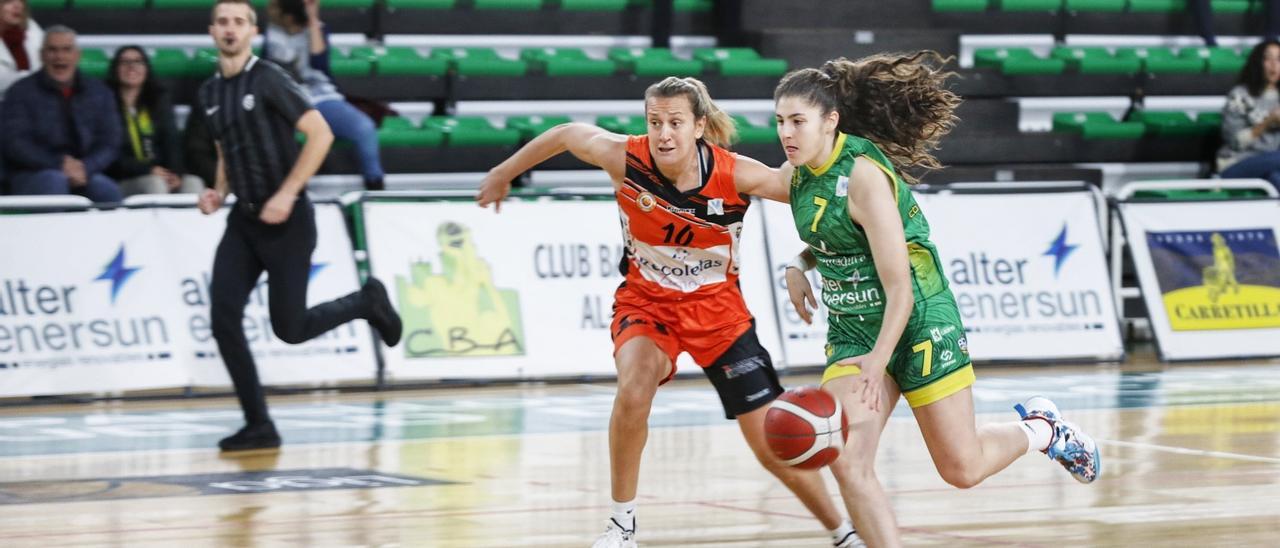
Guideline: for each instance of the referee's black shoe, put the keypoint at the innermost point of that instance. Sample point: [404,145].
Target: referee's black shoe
[382,316]
[262,435]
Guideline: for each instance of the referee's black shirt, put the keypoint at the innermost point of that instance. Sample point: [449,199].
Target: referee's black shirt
[253,115]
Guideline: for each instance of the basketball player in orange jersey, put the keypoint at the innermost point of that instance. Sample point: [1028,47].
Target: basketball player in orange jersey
[682,198]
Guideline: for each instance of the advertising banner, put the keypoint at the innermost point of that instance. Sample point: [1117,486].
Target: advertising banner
[81,306]
[1028,272]
[119,300]
[345,353]
[524,293]
[1210,276]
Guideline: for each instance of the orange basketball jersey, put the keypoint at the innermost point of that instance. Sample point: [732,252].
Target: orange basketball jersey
[679,243]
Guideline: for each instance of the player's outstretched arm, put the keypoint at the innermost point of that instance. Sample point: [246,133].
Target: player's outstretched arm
[754,178]
[586,142]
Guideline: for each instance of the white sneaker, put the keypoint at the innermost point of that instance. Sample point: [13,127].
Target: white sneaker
[1070,446]
[851,540]
[615,536]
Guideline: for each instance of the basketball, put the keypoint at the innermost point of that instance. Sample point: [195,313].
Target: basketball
[806,427]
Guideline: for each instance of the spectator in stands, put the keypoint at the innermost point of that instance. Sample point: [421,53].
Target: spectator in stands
[58,128]
[1251,119]
[22,38]
[298,41]
[149,161]
[1202,13]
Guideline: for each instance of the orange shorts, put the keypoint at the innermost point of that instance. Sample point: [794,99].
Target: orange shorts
[704,326]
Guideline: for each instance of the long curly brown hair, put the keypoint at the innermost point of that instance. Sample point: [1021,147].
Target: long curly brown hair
[898,101]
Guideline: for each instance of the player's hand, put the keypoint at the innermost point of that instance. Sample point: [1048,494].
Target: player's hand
[870,382]
[209,202]
[801,294]
[277,209]
[493,190]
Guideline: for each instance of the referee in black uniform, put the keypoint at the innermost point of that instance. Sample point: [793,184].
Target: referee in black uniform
[253,108]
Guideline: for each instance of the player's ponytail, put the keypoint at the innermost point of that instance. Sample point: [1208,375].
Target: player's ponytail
[897,101]
[720,130]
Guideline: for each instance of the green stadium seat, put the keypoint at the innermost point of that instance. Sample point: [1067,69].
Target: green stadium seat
[655,62]
[1218,59]
[346,64]
[406,61]
[740,62]
[593,5]
[679,5]
[421,4]
[523,5]
[626,125]
[750,134]
[180,4]
[1162,60]
[1157,6]
[567,62]
[1209,122]
[47,4]
[1097,125]
[1200,194]
[170,63]
[1096,5]
[480,62]
[1030,5]
[465,131]
[400,132]
[533,126]
[1094,60]
[1167,123]
[1229,6]
[109,4]
[203,63]
[694,5]
[348,4]
[94,62]
[960,5]
[1017,61]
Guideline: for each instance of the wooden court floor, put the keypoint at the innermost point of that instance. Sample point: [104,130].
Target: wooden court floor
[1191,456]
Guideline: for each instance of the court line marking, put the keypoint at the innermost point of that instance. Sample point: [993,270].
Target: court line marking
[1190,451]
[364,443]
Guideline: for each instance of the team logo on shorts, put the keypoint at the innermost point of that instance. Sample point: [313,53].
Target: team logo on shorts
[830,350]
[963,343]
[646,202]
[248,102]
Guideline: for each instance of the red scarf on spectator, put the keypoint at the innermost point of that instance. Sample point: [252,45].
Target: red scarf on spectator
[15,39]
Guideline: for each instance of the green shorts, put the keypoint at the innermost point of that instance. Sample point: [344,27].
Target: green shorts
[931,361]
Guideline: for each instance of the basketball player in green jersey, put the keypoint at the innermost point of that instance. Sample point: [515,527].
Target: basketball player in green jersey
[894,328]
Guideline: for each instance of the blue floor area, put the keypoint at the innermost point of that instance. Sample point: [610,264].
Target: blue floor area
[442,414]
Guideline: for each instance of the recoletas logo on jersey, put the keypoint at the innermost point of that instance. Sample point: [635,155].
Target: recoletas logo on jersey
[455,309]
[1222,279]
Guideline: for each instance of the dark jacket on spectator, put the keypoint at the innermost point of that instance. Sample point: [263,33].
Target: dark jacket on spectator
[39,126]
[165,140]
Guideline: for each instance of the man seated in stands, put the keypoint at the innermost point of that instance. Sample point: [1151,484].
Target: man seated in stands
[60,129]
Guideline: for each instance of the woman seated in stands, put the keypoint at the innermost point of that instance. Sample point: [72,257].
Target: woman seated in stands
[20,55]
[297,41]
[149,161]
[1251,119]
